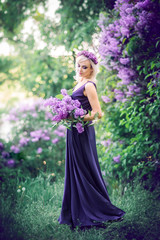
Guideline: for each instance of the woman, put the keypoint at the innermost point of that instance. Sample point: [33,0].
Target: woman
[85,200]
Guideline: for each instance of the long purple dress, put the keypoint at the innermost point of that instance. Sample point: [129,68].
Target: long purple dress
[85,200]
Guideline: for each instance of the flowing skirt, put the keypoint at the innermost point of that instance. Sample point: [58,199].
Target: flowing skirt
[85,200]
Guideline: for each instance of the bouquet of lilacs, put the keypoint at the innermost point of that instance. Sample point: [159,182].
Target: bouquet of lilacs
[67,111]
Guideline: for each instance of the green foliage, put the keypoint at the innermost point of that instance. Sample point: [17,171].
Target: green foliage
[39,73]
[7,67]
[13,13]
[136,124]
[79,21]
[134,46]
[132,126]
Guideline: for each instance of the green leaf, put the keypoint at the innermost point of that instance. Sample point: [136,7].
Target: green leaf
[86,123]
[59,96]
[143,100]
[157,43]
[69,92]
[68,127]
[89,112]
[139,67]
[124,39]
[152,65]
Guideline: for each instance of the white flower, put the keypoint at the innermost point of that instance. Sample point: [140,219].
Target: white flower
[18,190]
[23,189]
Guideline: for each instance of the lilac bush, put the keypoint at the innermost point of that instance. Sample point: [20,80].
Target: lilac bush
[135,24]
[32,144]
[31,108]
[130,51]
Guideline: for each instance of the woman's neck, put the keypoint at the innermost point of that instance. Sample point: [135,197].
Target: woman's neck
[83,80]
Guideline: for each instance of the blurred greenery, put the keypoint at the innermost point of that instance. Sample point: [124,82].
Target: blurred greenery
[13,13]
[78,21]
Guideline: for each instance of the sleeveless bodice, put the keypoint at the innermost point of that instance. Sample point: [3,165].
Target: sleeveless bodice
[78,94]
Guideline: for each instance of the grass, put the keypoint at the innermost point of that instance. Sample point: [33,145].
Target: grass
[32,214]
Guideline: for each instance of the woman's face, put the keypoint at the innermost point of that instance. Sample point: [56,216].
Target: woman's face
[85,69]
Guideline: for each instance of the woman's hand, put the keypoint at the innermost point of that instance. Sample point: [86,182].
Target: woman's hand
[91,116]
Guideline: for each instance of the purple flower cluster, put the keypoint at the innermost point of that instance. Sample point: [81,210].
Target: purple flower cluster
[117,159]
[23,141]
[6,156]
[1,146]
[89,55]
[106,143]
[135,18]
[65,108]
[10,163]
[28,108]
[106,99]
[15,149]
[39,134]
[39,150]
[79,127]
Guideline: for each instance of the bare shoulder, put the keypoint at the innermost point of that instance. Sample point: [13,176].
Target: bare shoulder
[90,86]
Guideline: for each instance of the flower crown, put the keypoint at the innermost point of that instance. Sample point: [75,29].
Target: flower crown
[89,55]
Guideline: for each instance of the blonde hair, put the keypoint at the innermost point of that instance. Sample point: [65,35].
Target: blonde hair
[94,66]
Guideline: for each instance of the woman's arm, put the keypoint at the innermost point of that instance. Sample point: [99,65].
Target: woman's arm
[94,102]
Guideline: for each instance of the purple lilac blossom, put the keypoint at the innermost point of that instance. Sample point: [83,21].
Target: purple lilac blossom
[1,146]
[67,99]
[124,60]
[79,127]
[5,154]
[10,162]
[27,108]
[106,99]
[55,140]
[117,158]
[76,103]
[119,95]
[79,112]
[129,94]
[124,99]
[12,118]
[48,116]
[15,149]
[135,17]
[35,115]
[64,92]
[59,133]
[39,134]
[61,128]
[39,150]
[23,141]
[106,143]
[50,101]
[56,118]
